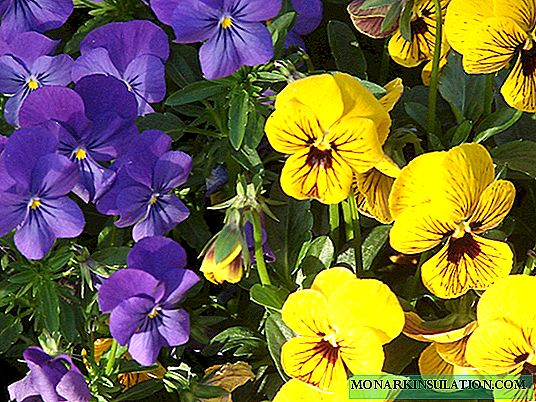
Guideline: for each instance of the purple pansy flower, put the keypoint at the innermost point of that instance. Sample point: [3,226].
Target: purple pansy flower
[20,16]
[50,379]
[142,192]
[94,124]
[142,299]
[36,201]
[234,31]
[308,19]
[133,51]
[26,66]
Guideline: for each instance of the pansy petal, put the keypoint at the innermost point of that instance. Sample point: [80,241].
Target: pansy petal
[73,388]
[493,46]
[64,217]
[309,15]
[129,315]
[373,305]
[13,75]
[431,363]
[329,280]
[95,61]
[41,46]
[171,170]
[469,262]
[306,313]
[299,391]
[145,346]
[174,326]
[253,10]
[23,390]
[463,19]
[164,9]
[372,193]
[178,283]
[34,238]
[157,255]
[145,76]
[411,54]
[53,176]
[12,107]
[13,208]
[523,12]
[53,70]
[519,89]
[194,21]
[325,177]
[364,353]
[454,352]
[133,198]
[495,203]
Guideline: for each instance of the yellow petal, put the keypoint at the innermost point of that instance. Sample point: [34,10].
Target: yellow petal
[230,269]
[510,299]
[316,362]
[373,190]
[414,186]
[371,304]
[492,47]
[329,280]
[394,89]
[323,176]
[426,73]
[359,102]
[411,54]
[306,313]
[388,167]
[431,363]
[320,93]
[415,327]
[420,229]
[470,262]
[299,391]
[523,12]
[463,19]
[519,89]
[495,203]
[362,352]
[355,141]
[498,347]
[292,128]
[454,352]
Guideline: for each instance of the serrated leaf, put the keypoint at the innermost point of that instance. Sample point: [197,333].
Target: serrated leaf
[238,117]
[141,390]
[194,231]
[462,132]
[345,49]
[405,20]
[373,243]
[183,65]
[392,17]
[194,92]
[268,296]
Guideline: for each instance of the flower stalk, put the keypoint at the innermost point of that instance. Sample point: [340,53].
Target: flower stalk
[112,355]
[434,79]
[356,233]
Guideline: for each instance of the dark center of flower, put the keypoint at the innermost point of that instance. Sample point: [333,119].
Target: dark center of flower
[521,358]
[528,61]
[528,369]
[419,26]
[326,351]
[319,158]
[458,247]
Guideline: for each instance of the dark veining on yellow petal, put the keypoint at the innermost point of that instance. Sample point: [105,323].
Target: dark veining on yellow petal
[465,245]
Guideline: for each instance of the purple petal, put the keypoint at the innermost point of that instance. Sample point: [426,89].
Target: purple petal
[13,75]
[12,107]
[126,41]
[110,136]
[23,390]
[293,39]
[12,211]
[63,216]
[195,21]
[164,9]
[73,388]
[129,315]
[94,179]
[24,149]
[96,61]
[157,255]
[174,326]
[133,203]
[35,355]
[53,70]
[309,15]
[144,347]
[253,10]
[248,43]
[171,170]
[107,202]
[102,94]
[178,283]
[41,45]
[127,283]
[34,238]
[163,216]
[53,176]
[145,75]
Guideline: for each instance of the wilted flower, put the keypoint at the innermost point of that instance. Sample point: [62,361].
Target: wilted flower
[142,299]
[95,123]
[25,66]
[36,203]
[134,52]
[20,16]
[369,21]
[50,379]
[234,31]
[452,196]
[143,191]
[308,19]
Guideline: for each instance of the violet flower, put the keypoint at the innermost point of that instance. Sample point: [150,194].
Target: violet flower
[36,202]
[94,124]
[142,193]
[142,299]
[20,16]
[308,19]
[234,31]
[50,379]
[26,66]
[134,52]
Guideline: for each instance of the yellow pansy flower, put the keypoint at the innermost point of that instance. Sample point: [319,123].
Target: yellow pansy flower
[423,34]
[230,269]
[331,126]
[452,196]
[330,342]
[446,353]
[492,33]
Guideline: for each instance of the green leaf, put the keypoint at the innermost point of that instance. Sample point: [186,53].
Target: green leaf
[517,155]
[377,90]
[244,341]
[462,132]
[194,92]
[209,391]
[111,256]
[73,45]
[194,231]
[166,122]
[497,123]
[367,4]
[277,333]
[405,20]
[10,330]
[319,256]
[141,390]
[68,321]
[238,117]
[400,353]
[392,16]
[268,296]
[373,244]
[279,29]
[183,65]
[227,240]
[49,305]
[345,49]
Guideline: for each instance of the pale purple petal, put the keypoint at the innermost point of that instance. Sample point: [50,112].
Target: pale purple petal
[34,238]
[23,390]
[73,388]
[13,75]
[63,216]
[253,10]
[53,70]
[127,283]
[53,176]
[157,255]
[145,75]
[171,170]
[195,21]
[12,107]
[96,61]
[41,45]
[129,315]
[145,346]
[12,211]
[164,9]
[174,326]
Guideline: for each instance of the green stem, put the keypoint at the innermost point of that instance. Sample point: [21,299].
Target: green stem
[357,232]
[111,360]
[434,79]
[347,214]
[334,223]
[259,254]
[488,95]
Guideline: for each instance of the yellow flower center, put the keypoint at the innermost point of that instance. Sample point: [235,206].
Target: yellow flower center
[461,230]
[226,23]
[35,203]
[153,200]
[80,154]
[153,313]
[33,84]
[332,340]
